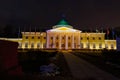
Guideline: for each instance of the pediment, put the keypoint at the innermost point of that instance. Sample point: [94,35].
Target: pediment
[63,29]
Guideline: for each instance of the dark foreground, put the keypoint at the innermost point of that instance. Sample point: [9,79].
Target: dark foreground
[32,60]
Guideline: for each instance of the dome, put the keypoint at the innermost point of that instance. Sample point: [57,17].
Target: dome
[62,23]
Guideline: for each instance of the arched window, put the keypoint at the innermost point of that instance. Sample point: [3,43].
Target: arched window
[100,45]
[106,46]
[26,45]
[44,45]
[112,46]
[38,45]
[87,45]
[81,45]
[94,46]
[32,45]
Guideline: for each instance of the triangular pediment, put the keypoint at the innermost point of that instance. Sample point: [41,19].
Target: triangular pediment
[63,29]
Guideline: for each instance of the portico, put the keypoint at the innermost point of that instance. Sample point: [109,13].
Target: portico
[63,36]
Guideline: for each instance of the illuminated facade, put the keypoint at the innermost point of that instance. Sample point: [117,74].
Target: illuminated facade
[63,36]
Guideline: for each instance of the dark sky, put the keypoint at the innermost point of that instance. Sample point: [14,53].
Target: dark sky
[46,13]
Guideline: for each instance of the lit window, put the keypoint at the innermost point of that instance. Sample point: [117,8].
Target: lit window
[81,45]
[32,45]
[38,45]
[100,45]
[87,45]
[112,46]
[94,45]
[106,46]
[26,45]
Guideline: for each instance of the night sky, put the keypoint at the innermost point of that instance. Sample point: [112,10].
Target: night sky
[46,13]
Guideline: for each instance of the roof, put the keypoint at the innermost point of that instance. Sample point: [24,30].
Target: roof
[62,23]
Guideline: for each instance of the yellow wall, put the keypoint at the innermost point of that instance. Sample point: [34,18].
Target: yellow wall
[85,38]
[111,43]
[93,38]
[34,38]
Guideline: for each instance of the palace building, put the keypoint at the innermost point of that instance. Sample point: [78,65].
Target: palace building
[64,36]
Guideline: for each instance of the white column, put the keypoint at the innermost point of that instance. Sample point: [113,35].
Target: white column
[66,42]
[79,40]
[59,41]
[73,41]
[48,40]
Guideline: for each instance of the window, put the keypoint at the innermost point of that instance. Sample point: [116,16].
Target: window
[94,45]
[81,45]
[44,45]
[106,46]
[100,45]
[112,46]
[32,45]
[69,37]
[93,38]
[51,37]
[99,38]
[87,38]
[26,45]
[81,38]
[32,37]
[63,37]
[38,37]
[38,45]
[87,45]
[44,37]
[26,37]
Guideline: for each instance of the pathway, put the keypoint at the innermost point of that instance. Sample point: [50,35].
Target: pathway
[81,69]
